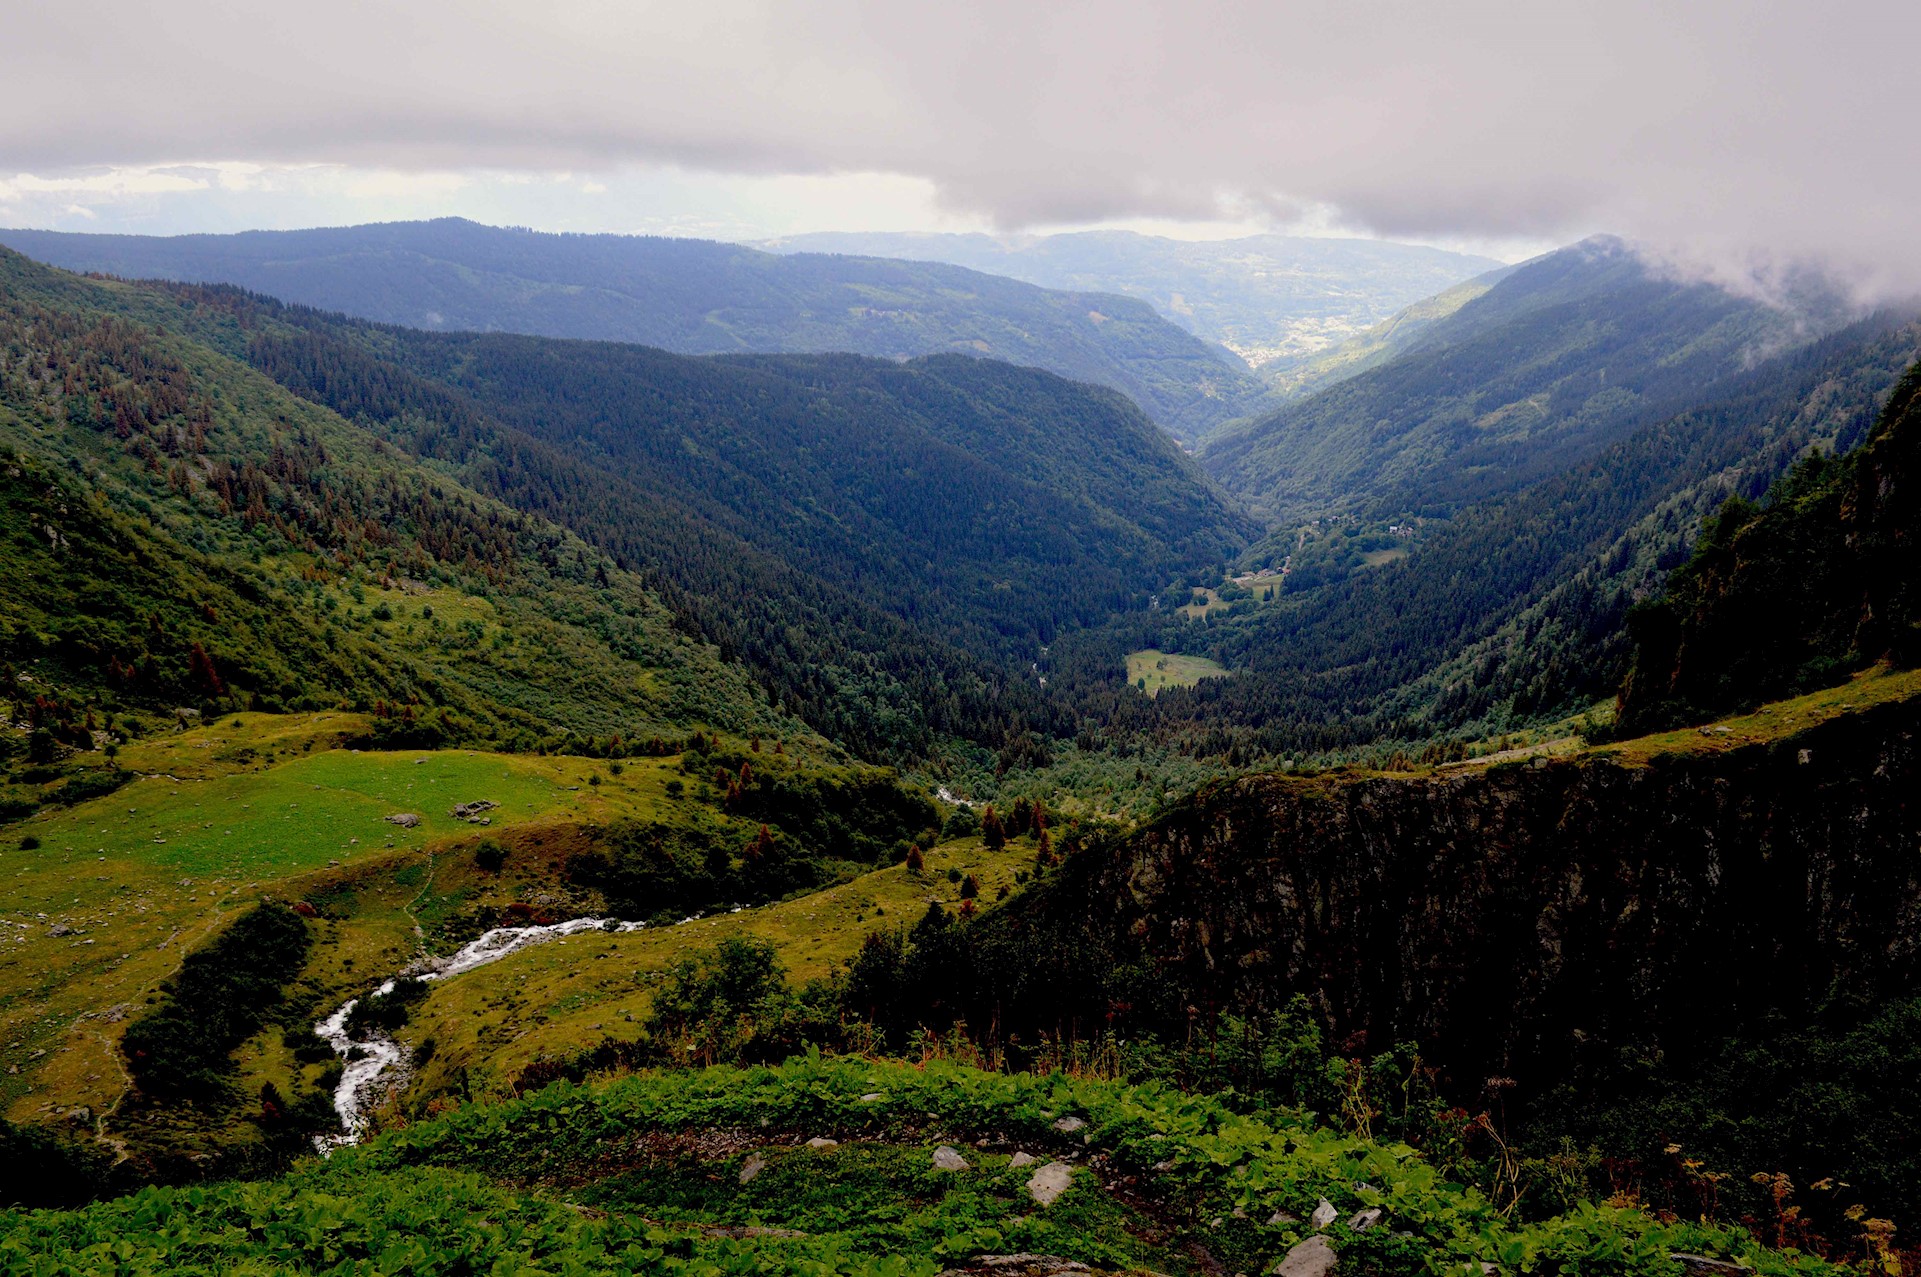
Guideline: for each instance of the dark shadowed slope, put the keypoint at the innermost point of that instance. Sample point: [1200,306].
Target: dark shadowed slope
[1796,593]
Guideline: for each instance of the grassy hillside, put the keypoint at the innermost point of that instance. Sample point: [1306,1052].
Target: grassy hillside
[692,296]
[106,898]
[1561,357]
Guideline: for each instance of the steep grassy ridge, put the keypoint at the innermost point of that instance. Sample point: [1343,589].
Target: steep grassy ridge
[1561,357]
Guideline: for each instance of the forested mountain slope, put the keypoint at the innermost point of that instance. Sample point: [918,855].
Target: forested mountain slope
[181,532]
[1797,593]
[1563,356]
[691,296]
[1275,300]
[886,544]
[1516,605]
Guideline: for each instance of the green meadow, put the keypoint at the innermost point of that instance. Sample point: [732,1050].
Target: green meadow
[1152,670]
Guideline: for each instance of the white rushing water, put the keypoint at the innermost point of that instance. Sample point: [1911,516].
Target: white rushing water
[370,1059]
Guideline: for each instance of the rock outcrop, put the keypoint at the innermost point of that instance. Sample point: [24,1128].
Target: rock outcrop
[1505,918]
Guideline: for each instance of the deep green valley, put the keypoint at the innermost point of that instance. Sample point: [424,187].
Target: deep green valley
[598,754]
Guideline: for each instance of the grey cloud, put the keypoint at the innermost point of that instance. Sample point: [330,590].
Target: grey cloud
[1718,127]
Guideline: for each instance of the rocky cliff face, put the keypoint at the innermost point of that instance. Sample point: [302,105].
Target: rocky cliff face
[1509,919]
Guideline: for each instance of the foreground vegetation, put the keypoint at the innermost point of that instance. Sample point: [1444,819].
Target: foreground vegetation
[708,1172]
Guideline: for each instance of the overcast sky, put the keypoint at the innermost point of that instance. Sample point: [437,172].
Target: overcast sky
[1739,134]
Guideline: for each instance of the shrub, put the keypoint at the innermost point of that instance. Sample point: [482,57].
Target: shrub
[90,784]
[385,1012]
[222,994]
[41,1169]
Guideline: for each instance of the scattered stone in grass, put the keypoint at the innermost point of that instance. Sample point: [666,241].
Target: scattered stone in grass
[753,1166]
[1706,1266]
[1281,1218]
[821,1141]
[1022,1265]
[1022,1159]
[1068,1125]
[405,819]
[948,1158]
[1362,1220]
[1314,1257]
[872,1097]
[1049,1182]
[1323,1215]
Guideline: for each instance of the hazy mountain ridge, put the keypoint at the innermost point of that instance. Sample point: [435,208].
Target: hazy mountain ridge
[1276,301]
[691,297]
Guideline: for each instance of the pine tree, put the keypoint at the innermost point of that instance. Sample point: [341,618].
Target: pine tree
[205,676]
[992,832]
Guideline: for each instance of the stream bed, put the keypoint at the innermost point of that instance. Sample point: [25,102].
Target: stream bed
[372,1058]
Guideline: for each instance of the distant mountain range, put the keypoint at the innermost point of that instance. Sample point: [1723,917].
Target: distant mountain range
[1277,301]
[692,297]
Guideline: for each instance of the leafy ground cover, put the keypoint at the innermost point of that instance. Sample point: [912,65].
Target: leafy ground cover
[712,1171]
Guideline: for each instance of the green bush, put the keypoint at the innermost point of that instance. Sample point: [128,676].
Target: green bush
[223,993]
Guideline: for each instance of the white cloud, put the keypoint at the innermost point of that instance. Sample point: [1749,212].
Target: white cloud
[1725,127]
